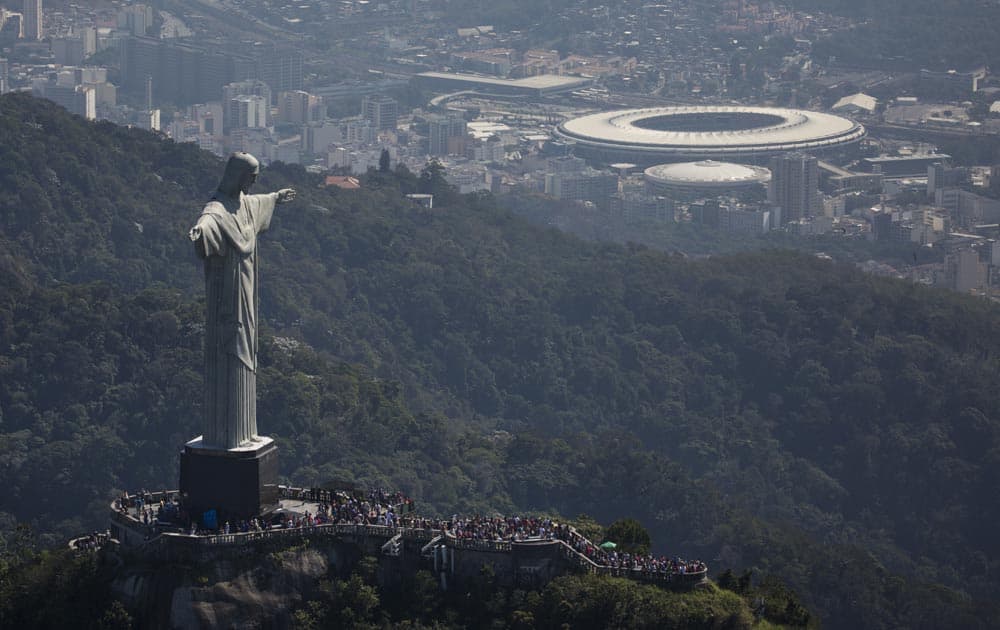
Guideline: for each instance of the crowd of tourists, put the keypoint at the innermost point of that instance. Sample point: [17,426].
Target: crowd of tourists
[92,542]
[505,528]
[377,507]
[615,559]
[641,562]
[152,510]
[393,509]
[528,528]
[132,504]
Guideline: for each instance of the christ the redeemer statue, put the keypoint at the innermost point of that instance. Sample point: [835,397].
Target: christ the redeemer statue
[225,237]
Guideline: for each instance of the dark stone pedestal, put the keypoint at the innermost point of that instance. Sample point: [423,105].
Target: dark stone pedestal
[237,483]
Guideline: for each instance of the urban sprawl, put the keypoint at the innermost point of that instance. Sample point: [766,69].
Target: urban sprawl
[640,116]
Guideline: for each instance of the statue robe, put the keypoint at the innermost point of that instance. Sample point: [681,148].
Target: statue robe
[225,237]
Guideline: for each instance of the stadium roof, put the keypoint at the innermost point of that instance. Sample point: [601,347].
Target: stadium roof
[707,131]
[707,172]
[544,82]
[858,101]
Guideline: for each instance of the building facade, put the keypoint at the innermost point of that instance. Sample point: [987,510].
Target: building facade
[246,111]
[964,272]
[300,108]
[32,15]
[588,185]
[382,111]
[260,106]
[794,187]
[77,99]
[137,19]
[185,73]
[633,207]
[446,135]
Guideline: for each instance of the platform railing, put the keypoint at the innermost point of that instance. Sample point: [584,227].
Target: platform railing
[158,537]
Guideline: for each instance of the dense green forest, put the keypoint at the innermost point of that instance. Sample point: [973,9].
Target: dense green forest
[60,586]
[766,411]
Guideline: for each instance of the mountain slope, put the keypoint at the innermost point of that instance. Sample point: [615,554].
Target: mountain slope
[770,410]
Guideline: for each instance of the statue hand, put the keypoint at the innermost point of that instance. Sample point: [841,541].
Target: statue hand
[285,195]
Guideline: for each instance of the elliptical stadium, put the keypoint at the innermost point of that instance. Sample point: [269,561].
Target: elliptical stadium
[729,133]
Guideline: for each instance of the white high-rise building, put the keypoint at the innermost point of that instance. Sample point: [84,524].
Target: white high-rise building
[245,88]
[88,35]
[298,107]
[148,119]
[247,111]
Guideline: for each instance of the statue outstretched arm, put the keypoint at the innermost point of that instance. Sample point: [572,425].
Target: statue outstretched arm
[262,206]
[207,237]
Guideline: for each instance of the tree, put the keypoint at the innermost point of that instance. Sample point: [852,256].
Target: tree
[432,177]
[432,181]
[588,527]
[358,602]
[383,161]
[629,535]
[116,617]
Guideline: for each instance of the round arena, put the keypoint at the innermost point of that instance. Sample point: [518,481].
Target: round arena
[705,178]
[716,132]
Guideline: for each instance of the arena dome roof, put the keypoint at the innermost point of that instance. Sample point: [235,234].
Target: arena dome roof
[664,134]
[707,173]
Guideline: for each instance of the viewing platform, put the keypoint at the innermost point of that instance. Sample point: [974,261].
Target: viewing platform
[522,550]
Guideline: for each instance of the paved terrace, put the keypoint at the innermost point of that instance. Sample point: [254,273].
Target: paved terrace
[386,527]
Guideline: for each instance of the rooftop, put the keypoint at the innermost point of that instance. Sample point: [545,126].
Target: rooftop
[731,132]
[539,82]
[343,181]
[859,100]
[707,172]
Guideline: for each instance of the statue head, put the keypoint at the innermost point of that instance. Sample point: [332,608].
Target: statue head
[241,172]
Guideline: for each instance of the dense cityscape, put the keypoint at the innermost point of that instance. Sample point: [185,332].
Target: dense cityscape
[332,86]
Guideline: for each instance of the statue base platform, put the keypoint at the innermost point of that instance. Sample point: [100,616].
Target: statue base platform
[237,483]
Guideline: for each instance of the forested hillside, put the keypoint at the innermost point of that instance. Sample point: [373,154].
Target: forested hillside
[766,411]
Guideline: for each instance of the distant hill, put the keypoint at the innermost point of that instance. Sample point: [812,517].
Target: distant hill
[767,411]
